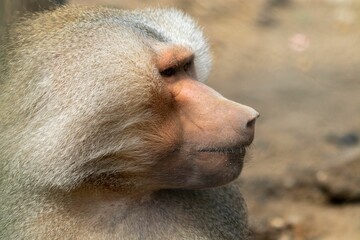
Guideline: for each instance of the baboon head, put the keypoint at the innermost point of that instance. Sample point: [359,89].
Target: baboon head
[115,98]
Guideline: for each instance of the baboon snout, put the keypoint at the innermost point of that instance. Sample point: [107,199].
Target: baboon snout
[208,115]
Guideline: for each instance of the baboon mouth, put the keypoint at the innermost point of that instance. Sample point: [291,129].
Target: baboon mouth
[238,150]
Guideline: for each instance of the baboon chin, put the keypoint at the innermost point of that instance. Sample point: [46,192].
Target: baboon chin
[107,128]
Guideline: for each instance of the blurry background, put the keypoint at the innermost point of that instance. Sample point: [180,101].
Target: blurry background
[298,63]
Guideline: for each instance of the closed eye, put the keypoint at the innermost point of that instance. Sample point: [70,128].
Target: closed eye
[169,72]
[182,66]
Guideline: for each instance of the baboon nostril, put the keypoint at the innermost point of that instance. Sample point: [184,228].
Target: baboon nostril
[251,122]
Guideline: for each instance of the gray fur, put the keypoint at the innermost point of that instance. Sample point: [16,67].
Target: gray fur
[60,67]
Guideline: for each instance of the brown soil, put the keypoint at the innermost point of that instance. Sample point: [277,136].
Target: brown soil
[298,63]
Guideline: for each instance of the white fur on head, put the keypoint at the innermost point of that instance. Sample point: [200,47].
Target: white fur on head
[178,28]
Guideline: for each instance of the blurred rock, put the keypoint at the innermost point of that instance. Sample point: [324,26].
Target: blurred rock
[341,183]
[347,140]
[278,223]
[338,183]
[277,228]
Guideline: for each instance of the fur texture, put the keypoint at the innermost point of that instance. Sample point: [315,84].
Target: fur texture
[60,122]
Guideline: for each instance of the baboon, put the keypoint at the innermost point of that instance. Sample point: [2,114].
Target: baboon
[109,132]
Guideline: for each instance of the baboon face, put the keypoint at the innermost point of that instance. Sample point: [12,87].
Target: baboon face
[212,133]
[116,98]
[193,137]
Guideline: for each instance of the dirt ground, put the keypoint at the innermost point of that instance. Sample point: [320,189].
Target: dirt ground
[298,63]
